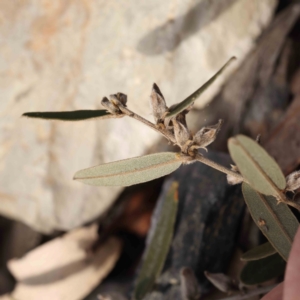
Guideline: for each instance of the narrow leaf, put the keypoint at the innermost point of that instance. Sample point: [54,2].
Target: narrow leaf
[76,115]
[256,165]
[276,221]
[159,244]
[259,271]
[176,109]
[259,252]
[131,171]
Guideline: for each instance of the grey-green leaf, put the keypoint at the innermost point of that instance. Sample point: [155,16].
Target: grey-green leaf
[176,109]
[131,171]
[159,244]
[76,115]
[259,252]
[259,271]
[276,221]
[256,165]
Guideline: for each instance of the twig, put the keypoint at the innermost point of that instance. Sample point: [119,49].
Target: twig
[218,167]
[281,196]
[250,293]
[168,135]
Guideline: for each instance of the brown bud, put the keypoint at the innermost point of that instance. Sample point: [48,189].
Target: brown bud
[293,181]
[113,109]
[118,99]
[158,104]
[189,285]
[181,132]
[206,135]
[222,282]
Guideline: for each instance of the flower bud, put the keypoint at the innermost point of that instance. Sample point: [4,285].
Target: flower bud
[181,132]
[118,99]
[206,135]
[158,104]
[113,109]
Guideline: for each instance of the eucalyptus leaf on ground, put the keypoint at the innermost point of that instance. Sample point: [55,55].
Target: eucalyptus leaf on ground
[259,252]
[276,221]
[76,115]
[256,165]
[159,244]
[131,171]
[65,268]
[259,271]
[176,109]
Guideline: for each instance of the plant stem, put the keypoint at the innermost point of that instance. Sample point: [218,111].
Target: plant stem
[281,196]
[251,293]
[168,135]
[218,167]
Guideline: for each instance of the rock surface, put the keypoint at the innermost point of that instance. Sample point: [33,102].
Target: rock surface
[67,55]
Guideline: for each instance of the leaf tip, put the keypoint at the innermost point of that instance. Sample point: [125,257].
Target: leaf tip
[75,177]
[27,115]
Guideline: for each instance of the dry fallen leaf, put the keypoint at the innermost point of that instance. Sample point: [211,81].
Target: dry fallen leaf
[64,268]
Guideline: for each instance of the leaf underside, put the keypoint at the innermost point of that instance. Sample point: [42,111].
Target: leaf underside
[256,165]
[259,252]
[276,221]
[131,171]
[76,115]
[158,248]
[259,271]
[190,99]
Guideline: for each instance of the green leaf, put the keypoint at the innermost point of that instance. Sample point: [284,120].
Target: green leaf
[256,165]
[176,109]
[131,171]
[276,221]
[159,244]
[76,115]
[259,252]
[259,271]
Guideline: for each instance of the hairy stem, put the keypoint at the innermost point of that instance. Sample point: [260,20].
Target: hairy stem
[168,135]
[280,195]
[218,167]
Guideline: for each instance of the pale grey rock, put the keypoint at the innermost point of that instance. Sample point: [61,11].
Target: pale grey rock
[66,55]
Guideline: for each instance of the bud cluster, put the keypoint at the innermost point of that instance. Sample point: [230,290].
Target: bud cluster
[115,100]
[177,125]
